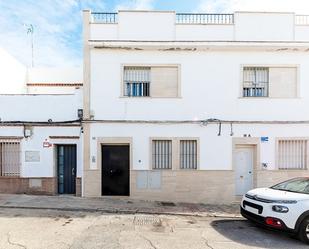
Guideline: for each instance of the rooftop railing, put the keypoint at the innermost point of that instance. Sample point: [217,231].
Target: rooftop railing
[190,18]
[302,19]
[104,17]
[181,18]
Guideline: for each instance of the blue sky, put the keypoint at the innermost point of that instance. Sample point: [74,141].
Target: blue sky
[58,30]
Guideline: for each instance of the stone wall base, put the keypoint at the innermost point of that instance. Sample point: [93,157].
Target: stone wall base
[188,186]
[267,178]
[78,186]
[35,185]
[195,186]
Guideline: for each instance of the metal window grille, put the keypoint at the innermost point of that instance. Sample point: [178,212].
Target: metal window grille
[9,158]
[292,154]
[161,154]
[137,81]
[255,82]
[188,154]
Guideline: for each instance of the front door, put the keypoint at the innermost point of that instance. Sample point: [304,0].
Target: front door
[115,170]
[66,168]
[243,169]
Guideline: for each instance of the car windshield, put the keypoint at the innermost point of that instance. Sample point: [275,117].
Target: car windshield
[298,185]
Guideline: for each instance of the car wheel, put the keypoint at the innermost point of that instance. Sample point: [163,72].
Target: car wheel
[304,230]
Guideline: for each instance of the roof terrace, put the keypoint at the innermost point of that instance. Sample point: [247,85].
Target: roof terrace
[172,26]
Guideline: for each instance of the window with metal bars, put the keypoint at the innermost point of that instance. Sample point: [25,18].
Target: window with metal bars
[292,154]
[256,81]
[136,81]
[188,154]
[9,158]
[162,154]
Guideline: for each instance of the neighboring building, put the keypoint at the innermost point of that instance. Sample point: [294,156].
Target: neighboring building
[194,107]
[40,134]
[13,74]
[54,80]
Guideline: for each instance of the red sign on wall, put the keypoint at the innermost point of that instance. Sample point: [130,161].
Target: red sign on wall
[46,144]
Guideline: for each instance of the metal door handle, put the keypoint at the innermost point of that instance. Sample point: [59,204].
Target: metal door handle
[73,171]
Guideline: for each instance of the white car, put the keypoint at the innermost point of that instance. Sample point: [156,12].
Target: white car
[284,206]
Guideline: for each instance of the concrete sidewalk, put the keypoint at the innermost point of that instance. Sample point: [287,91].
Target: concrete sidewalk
[116,205]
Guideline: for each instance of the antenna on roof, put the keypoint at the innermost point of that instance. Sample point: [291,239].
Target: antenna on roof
[30,31]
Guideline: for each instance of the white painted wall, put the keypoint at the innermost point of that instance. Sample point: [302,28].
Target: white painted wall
[302,33]
[13,74]
[204,32]
[40,107]
[264,26]
[210,86]
[46,167]
[215,151]
[55,75]
[52,89]
[109,32]
[161,26]
[144,25]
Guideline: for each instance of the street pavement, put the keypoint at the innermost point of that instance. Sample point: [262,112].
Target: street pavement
[123,205]
[48,228]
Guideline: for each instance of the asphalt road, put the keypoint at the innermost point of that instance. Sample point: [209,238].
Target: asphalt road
[31,229]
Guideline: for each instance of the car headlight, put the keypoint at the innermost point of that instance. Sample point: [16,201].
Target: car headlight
[280,209]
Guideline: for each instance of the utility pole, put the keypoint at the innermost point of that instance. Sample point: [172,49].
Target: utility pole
[30,31]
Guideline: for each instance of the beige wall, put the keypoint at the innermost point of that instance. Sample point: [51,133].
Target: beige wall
[92,183]
[267,178]
[189,186]
[283,82]
[164,82]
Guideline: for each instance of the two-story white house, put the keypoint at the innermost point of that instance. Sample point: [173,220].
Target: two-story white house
[194,107]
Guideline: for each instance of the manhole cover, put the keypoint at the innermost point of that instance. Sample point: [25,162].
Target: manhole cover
[169,204]
[147,220]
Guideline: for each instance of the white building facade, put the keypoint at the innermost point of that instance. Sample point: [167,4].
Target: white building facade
[40,130]
[193,107]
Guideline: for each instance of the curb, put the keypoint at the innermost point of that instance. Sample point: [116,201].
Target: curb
[119,211]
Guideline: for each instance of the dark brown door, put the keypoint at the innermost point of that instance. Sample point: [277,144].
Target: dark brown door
[115,170]
[66,167]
